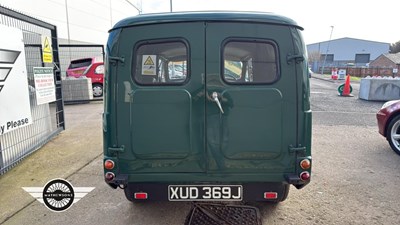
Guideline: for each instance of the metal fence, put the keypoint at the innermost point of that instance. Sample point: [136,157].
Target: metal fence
[69,52]
[363,71]
[87,85]
[48,118]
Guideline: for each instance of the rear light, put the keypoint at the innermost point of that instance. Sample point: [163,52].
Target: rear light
[109,164]
[140,195]
[109,176]
[99,69]
[305,164]
[304,176]
[270,195]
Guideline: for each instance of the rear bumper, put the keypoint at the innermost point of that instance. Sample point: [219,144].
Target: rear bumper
[251,191]
[382,117]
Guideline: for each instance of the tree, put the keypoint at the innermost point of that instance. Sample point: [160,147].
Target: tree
[395,47]
[313,56]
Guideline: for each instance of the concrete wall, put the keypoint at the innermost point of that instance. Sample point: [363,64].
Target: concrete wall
[379,89]
[77,89]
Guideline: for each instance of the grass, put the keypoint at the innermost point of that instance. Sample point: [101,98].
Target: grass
[355,78]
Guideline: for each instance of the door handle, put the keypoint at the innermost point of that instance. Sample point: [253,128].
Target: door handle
[216,100]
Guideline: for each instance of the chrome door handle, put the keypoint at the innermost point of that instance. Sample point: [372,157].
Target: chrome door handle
[216,100]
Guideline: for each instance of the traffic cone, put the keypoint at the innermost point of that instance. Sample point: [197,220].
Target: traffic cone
[346,88]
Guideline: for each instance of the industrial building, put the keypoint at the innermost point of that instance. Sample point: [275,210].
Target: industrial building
[344,52]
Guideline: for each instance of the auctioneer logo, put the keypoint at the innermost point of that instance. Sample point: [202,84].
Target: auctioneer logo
[7,59]
[58,195]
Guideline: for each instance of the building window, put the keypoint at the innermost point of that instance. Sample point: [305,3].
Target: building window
[329,58]
[362,58]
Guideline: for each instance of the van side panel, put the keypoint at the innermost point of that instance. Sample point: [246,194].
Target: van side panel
[303,81]
[110,80]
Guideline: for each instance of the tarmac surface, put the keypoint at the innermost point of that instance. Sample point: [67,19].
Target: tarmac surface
[56,159]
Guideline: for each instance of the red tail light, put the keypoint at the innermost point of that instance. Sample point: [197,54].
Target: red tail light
[270,195]
[140,195]
[109,164]
[304,176]
[109,176]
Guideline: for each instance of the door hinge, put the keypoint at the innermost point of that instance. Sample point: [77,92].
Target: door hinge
[297,58]
[299,149]
[115,59]
[116,149]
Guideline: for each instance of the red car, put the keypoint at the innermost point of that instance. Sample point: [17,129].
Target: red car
[389,123]
[92,68]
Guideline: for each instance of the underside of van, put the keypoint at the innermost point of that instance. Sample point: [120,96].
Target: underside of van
[206,106]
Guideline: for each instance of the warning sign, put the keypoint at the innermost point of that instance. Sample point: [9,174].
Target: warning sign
[47,50]
[148,65]
[44,85]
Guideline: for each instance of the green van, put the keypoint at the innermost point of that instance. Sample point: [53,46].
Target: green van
[206,106]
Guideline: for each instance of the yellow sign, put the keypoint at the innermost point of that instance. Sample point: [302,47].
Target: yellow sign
[148,65]
[149,62]
[47,51]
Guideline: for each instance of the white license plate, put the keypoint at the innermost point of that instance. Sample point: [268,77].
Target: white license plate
[205,192]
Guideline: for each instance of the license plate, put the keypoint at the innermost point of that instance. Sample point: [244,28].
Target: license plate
[205,192]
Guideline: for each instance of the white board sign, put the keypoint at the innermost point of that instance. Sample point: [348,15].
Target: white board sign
[15,110]
[44,85]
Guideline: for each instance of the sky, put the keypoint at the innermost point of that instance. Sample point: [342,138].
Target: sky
[90,20]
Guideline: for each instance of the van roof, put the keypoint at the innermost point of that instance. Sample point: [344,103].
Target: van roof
[220,16]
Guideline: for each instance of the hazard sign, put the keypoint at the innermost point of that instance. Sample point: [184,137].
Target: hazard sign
[47,51]
[148,65]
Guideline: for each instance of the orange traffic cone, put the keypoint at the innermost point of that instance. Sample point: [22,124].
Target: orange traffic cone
[346,88]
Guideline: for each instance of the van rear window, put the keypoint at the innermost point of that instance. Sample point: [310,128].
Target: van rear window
[161,63]
[249,62]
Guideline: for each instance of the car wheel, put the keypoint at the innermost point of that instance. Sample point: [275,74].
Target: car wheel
[393,134]
[97,90]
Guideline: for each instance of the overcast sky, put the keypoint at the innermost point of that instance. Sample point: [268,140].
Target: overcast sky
[89,20]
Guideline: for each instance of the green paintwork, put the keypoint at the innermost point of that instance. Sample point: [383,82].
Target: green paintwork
[209,16]
[177,134]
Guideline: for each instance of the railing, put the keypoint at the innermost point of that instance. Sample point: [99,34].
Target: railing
[47,118]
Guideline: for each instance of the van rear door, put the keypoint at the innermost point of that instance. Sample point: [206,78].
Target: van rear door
[213,97]
[161,98]
[251,108]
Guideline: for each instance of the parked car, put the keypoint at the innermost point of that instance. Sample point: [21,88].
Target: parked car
[389,123]
[92,68]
